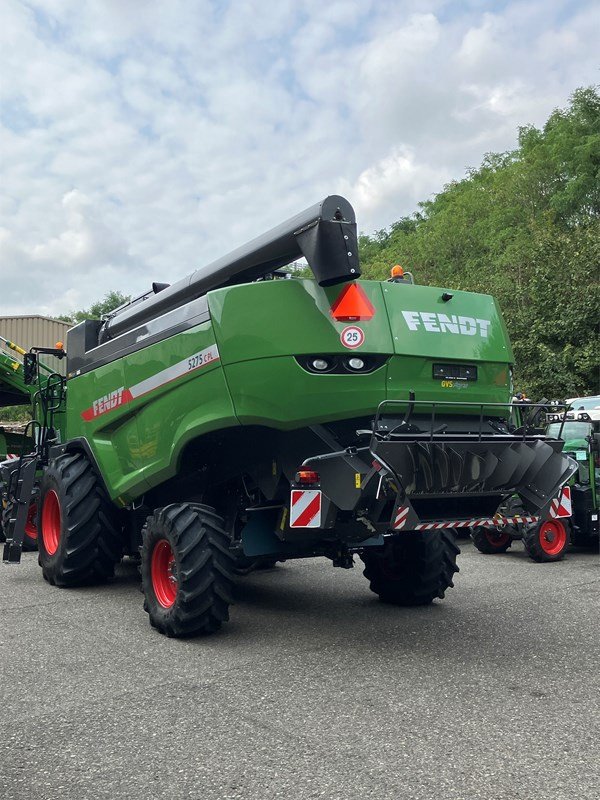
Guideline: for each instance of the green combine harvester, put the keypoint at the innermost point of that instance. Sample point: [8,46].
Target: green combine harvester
[244,416]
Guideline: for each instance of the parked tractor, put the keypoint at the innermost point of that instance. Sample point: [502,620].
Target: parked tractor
[574,513]
[580,430]
[245,414]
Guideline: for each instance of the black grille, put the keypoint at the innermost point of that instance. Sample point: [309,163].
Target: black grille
[455,372]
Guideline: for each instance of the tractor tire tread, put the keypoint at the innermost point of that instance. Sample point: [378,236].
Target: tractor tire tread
[90,525]
[426,564]
[204,569]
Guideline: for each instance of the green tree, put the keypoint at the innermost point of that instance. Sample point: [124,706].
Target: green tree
[525,227]
[110,301]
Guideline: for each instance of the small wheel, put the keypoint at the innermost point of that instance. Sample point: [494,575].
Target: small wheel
[413,568]
[547,541]
[491,540]
[187,570]
[79,539]
[31,523]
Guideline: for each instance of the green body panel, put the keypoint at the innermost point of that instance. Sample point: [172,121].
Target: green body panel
[259,329]
[292,317]
[435,335]
[280,394]
[137,443]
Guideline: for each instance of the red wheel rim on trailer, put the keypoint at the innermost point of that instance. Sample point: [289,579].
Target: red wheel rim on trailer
[164,573]
[553,537]
[31,522]
[51,522]
[497,539]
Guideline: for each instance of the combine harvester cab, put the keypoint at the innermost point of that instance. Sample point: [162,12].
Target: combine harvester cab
[244,416]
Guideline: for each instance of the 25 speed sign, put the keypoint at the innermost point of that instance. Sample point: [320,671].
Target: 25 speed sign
[352,337]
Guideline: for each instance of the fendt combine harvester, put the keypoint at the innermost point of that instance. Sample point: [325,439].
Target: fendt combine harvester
[244,415]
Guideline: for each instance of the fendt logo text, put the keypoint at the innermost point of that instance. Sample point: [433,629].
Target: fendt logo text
[442,323]
[108,402]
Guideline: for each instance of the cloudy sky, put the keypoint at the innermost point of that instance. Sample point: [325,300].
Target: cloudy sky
[141,139]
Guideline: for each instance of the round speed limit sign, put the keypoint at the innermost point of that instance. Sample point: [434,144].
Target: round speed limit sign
[352,337]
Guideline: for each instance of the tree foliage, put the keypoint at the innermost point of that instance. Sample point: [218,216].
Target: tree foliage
[110,301]
[525,227]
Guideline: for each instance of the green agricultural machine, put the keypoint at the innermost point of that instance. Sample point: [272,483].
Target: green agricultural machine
[20,445]
[244,415]
[579,428]
[574,513]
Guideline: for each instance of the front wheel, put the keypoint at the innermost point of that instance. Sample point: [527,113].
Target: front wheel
[79,539]
[413,568]
[187,570]
[547,541]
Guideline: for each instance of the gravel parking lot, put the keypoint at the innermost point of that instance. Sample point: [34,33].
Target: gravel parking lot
[314,689]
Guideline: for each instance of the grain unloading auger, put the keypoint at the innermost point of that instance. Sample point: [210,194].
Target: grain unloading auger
[243,416]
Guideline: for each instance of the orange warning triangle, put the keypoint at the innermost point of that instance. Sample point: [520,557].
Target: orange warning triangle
[352,305]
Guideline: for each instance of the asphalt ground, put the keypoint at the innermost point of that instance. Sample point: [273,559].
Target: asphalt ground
[315,689]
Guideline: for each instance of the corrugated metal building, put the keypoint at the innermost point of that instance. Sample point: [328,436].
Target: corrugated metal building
[36,331]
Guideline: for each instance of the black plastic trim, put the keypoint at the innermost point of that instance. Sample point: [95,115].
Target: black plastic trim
[82,359]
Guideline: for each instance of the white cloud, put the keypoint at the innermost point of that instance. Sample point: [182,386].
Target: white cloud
[141,139]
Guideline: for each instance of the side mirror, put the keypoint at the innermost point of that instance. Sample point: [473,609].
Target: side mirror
[30,368]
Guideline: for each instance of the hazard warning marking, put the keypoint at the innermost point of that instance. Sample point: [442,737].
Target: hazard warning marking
[305,508]
[400,518]
[352,337]
[561,506]
[352,305]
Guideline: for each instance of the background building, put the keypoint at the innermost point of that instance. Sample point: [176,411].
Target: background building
[30,331]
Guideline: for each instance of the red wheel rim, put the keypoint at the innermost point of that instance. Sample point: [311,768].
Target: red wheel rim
[31,522]
[164,573]
[51,522]
[553,537]
[497,539]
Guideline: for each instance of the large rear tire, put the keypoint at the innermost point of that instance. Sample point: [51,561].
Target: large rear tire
[413,569]
[491,540]
[79,539]
[187,570]
[547,541]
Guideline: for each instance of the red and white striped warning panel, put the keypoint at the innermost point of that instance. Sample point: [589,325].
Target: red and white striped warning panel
[494,522]
[400,518]
[305,508]
[498,521]
[122,396]
[561,507]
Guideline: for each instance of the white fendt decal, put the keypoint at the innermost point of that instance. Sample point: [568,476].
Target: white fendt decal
[442,323]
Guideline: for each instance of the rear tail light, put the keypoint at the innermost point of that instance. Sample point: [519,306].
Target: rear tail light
[307,477]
